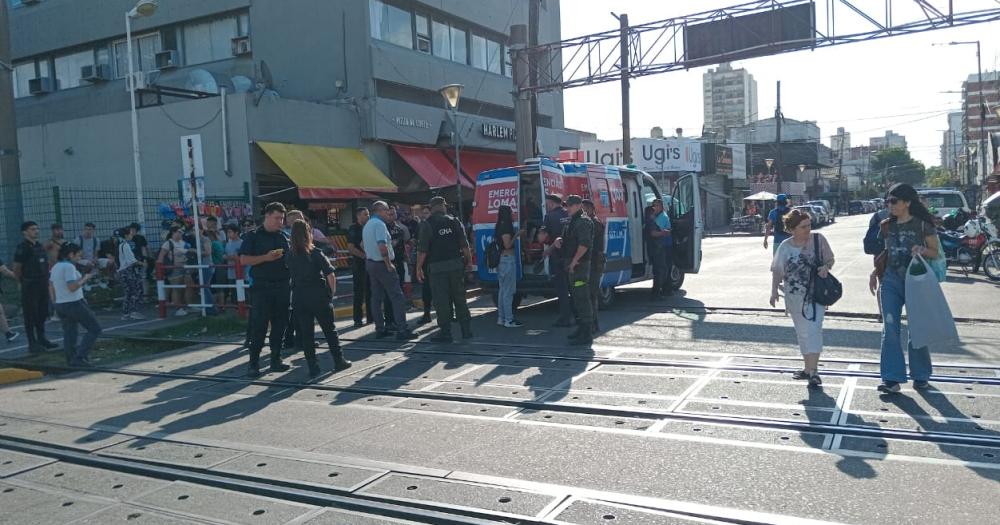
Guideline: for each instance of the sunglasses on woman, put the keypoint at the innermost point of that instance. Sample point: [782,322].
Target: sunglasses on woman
[891,200]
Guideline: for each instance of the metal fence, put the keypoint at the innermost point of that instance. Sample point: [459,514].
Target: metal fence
[107,208]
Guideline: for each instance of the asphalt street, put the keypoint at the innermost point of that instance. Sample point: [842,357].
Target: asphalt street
[683,411]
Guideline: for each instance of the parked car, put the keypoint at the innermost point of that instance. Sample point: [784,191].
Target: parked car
[868,206]
[814,211]
[855,207]
[827,209]
[878,203]
[945,201]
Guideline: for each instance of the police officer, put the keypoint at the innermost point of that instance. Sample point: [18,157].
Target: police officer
[315,285]
[31,267]
[576,246]
[555,222]
[597,259]
[264,251]
[445,249]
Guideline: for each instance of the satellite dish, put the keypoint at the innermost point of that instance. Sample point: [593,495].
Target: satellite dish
[242,84]
[201,80]
[265,84]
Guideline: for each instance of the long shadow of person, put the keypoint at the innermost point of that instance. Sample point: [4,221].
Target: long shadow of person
[852,465]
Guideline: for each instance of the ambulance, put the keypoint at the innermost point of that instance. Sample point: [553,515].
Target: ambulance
[620,195]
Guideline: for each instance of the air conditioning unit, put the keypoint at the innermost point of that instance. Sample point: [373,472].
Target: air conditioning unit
[168,59]
[241,46]
[95,73]
[141,81]
[42,85]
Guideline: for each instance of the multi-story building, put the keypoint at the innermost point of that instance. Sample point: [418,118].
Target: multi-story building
[840,141]
[974,128]
[953,142]
[323,100]
[730,98]
[889,140]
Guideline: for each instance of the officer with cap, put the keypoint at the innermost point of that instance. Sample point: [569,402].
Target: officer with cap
[445,249]
[775,224]
[555,222]
[576,246]
[597,259]
[264,250]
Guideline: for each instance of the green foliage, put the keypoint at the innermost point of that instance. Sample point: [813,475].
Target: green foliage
[899,166]
[939,177]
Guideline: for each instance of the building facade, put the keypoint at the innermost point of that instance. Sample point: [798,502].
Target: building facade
[953,142]
[975,128]
[730,98]
[313,89]
[888,141]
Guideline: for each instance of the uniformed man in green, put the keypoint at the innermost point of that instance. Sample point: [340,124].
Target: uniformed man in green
[597,259]
[576,246]
[443,246]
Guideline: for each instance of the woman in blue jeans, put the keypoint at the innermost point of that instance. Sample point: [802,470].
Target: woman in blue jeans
[66,289]
[507,271]
[909,231]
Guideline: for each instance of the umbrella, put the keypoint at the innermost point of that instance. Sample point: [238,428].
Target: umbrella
[761,196]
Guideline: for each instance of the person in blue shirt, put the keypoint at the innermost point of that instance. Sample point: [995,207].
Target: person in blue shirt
[661,243]
[775,225]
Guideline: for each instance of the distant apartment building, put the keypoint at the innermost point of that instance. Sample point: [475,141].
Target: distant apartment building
[730,98]
[973,127]
[889,140]
[842,140]
[953,142]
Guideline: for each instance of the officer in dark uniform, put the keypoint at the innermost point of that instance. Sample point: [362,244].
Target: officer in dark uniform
[576,246]
[31,266]
[359,276]
[445,249]
[264,251]
[555,222]
[597,259]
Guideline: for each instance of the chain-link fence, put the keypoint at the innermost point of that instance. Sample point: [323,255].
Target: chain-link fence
[107,208]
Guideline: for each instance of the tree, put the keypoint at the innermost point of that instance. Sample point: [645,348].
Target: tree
[939,177]
[897,165]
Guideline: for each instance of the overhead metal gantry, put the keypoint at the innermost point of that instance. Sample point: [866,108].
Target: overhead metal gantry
[752,29]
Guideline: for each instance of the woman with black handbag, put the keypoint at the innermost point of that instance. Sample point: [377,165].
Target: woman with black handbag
[797,262]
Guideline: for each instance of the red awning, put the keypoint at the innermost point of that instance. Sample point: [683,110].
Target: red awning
[475,162]
[431,165]
[323,194]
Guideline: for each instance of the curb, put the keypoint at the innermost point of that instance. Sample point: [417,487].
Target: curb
[348,311]
[16,375]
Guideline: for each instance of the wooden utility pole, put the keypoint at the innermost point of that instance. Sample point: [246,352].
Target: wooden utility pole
[10,175]
[626,120]
[533,17]
[777,139]
[523,121]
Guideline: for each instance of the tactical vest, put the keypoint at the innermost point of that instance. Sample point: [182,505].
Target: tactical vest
[444,242]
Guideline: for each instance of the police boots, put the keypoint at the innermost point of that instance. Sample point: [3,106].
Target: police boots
[582,336]
[339,363]
[466,331]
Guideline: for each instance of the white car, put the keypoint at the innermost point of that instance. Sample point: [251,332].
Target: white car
[945,201]
[827,209]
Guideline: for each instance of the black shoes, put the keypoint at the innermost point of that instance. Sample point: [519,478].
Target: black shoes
[442,338]
[889,387]
[358,324]
[279,367]
[11,336]
[381,334]
[253,372]
[563,323]
[405,335]
[48,345]
[920,384]
[466,332]
[340,364]
[426,318]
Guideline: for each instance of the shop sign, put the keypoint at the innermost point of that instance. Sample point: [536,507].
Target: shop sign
[497,131]
[411,122]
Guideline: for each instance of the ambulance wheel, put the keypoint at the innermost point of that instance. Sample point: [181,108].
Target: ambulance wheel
[606,297]
[676,278]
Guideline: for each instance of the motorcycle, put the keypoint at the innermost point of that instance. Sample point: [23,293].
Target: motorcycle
[966,248]
[991,260]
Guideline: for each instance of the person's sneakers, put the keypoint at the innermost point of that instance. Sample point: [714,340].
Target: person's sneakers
[180,312]
[442,338]
[919,384]
[815,380]
[405,335]
[800,375]
[136,316]
[513,324]
[48,345]
[888,387]
[11,336]
[500,322]
[279,367]
[382,334]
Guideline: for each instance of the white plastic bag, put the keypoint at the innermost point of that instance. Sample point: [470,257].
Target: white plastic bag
[929,318]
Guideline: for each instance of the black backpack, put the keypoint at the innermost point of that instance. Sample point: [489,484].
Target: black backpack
[493,253]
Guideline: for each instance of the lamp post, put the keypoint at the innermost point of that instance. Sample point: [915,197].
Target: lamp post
[982,105]
[769,163]
[141,9]
[452,93]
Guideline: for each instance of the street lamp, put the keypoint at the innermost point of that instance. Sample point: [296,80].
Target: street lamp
[141,9]
[452,93]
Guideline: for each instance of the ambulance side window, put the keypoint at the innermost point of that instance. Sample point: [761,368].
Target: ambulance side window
[648,193]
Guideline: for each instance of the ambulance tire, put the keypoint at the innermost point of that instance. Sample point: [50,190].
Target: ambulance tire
[606,297]
[676,278]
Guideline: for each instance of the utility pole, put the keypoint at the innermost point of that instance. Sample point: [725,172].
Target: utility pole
[10,174]
[777,138]
[840,169]
[982,128]
[533,72]
[523,121]
[626,121]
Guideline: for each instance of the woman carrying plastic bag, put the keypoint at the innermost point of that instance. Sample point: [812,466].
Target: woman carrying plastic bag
[928,317]
[909,233]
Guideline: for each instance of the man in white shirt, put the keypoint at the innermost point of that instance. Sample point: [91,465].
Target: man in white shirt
[384,280]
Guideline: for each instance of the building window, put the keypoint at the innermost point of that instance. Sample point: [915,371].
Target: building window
[22,74]
[392,24]
[493,56]
[144,49]
[477,52]
[423,27]
[244,23]
[459,47]
[508,67]
[441,39]
[210,41]
[68,68]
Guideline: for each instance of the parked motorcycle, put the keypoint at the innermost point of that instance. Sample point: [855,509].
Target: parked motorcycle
[966,248]
[991,260]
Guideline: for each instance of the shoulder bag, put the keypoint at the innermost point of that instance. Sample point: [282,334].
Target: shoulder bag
[825,290]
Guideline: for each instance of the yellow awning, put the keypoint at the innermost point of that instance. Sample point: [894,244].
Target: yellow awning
[327,173]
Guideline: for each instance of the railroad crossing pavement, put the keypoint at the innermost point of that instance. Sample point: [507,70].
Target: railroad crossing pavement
[675,415]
